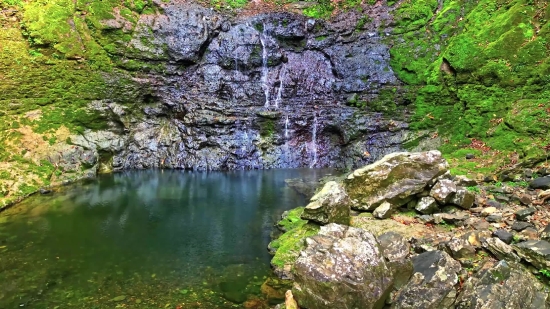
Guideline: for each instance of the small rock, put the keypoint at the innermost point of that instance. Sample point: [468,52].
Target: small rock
[488,211]
[525,199]
[519,226]
[543,172]
[504,235]
[463,198]
[545,234]
[426,219]
[427,205]
[502,198]
[494,218]
[536,252]
[481,226]
[524,213]
[460,249]
[470,156]
[540,183]
[226,26]
[443,191]
[383,211]
[528,173]
[463,181]
[529,233]
[501,250]
[493,203]
[290,302]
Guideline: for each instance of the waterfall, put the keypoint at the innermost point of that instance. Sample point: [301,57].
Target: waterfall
[265,72]
[286,127]
[314,142]
[279,98]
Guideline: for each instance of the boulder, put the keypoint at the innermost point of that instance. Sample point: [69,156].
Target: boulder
[341,267]
[432,285]
[427,205]
[330,205]
[500,250]
[396,250]
[536,252]
[394,178]
[463,198]
[443,191]
[502,285]
[384,211]
[460,249]
[541,183]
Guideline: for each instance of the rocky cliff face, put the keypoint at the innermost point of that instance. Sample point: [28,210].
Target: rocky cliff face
[269,91]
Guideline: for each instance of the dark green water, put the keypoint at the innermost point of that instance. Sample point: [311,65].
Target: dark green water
[149,239]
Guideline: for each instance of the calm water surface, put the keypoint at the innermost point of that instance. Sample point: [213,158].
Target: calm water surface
[149,239]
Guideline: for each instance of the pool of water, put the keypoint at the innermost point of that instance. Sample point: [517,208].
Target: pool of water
[146,239]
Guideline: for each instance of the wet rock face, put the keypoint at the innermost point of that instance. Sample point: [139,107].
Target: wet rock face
[265,92]
[432,285]
[342,267]
[502,285]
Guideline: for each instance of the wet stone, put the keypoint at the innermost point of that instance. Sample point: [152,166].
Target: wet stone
[520,226]
[504,235]
[523,214]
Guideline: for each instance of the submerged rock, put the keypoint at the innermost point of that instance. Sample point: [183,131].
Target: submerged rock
[330,205]
[394,178]
[432,285]
[342,267]
[502,285]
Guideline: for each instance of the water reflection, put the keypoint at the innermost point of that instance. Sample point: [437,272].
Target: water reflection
[128,231]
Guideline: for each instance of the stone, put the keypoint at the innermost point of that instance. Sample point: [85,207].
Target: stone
[530,233]
[545,233]
[427,205]
[384,211]
[500,250]
[432,285]
[502,198]
[493,203]
[463,198]
[443,191]
[523,214]
[337,269]
[488,211]
[519,226]
[456,218]
[290,302]
[536,252]
[394,178]
[504,235]
[330,205]
[470,156]
[494,218]
[525,199]
[543,171]
[45,191]
[540,183]
[463,181]
[502,285]
[460,249]
[396,250]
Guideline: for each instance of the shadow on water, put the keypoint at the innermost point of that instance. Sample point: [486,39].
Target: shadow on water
[146,239]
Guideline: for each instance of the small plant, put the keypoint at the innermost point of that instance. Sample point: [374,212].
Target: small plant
[545,272]
[474,189]
[498,184]
[516,239]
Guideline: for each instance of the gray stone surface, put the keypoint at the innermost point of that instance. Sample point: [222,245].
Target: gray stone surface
[432,285]
[394,179]
[536,252]
[330,205]
[502,285]
[443,191]
[341,267]
[427,205]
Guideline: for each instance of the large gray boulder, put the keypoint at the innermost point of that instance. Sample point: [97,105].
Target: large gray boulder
[341,267]
[432,285]
[394,178]
[330,205]
[536,252]
[502,285]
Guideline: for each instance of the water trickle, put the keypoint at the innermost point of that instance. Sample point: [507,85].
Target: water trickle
[314,142]
[265,71]
[286,127]
[279,98]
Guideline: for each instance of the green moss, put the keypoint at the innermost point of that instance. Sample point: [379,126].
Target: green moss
[290,244]
[292,220]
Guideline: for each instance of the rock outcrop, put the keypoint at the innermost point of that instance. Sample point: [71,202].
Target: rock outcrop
[342,267]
